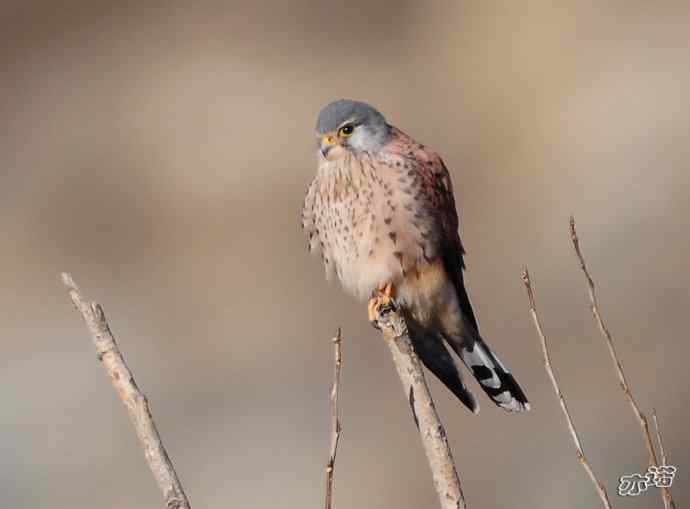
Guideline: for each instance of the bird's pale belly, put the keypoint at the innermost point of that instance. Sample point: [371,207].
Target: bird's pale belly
[373,245]
[365,262]
[360,257]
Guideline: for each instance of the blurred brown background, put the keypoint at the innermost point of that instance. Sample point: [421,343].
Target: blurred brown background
[160,152]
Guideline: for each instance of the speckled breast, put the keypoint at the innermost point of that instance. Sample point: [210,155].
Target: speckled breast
[369,218]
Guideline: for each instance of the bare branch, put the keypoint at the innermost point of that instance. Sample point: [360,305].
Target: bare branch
[601,491]
[664,460]
[335,419]
[135,402]
[642,419]
[431,430]
[660,442]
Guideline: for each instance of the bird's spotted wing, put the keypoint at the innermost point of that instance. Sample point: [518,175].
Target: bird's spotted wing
[437,189]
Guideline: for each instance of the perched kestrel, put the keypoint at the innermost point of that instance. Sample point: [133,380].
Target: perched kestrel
[381,211]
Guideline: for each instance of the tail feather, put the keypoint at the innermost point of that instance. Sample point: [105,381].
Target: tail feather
[432,351]
[489,371]
[493,376]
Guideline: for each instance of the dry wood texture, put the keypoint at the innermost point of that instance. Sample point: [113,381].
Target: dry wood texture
[598,485]
[431,430]
[335,418]
[135,402]
[618,366]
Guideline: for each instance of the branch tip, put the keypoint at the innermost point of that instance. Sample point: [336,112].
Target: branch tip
[579,452]
[617,365]
[68,281]
[136,404]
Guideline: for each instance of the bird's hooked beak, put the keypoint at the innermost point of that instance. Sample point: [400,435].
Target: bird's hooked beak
[327,142]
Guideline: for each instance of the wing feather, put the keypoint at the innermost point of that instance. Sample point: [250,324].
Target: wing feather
[438,189]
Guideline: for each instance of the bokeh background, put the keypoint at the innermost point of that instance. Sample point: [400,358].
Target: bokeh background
[160,152]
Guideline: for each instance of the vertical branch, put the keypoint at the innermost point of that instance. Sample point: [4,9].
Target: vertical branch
[135,402]
[664,459]
[335,420]
[549,370]
[625,386]
[662,451]
[431,430]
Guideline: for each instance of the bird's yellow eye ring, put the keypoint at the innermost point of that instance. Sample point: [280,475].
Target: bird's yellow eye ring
[346,131]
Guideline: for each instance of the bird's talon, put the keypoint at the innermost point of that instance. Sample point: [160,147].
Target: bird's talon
[385,289]
[371,309]
[381,304]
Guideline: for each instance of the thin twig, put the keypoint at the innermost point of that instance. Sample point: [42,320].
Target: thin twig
[662,451]
[547,364]
[431,430]
[135,402]
[336,429]
[625,386]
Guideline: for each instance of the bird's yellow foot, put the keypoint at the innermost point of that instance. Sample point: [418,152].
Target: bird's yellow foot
[380,303]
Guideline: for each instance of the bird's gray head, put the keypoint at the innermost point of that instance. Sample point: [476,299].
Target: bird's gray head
[350,126]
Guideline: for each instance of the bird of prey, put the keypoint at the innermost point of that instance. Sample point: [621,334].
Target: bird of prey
[382,213]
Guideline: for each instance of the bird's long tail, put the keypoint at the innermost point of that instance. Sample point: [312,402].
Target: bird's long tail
[492,375]
[436,357]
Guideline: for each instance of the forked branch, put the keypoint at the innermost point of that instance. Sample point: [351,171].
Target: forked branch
[135,402]
[625,386]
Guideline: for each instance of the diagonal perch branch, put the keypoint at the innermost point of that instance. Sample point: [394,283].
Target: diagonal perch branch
[625,386]
[431,430]
[601,491]
[135,402]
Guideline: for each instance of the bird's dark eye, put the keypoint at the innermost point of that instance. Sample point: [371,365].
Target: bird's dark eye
[346,130]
